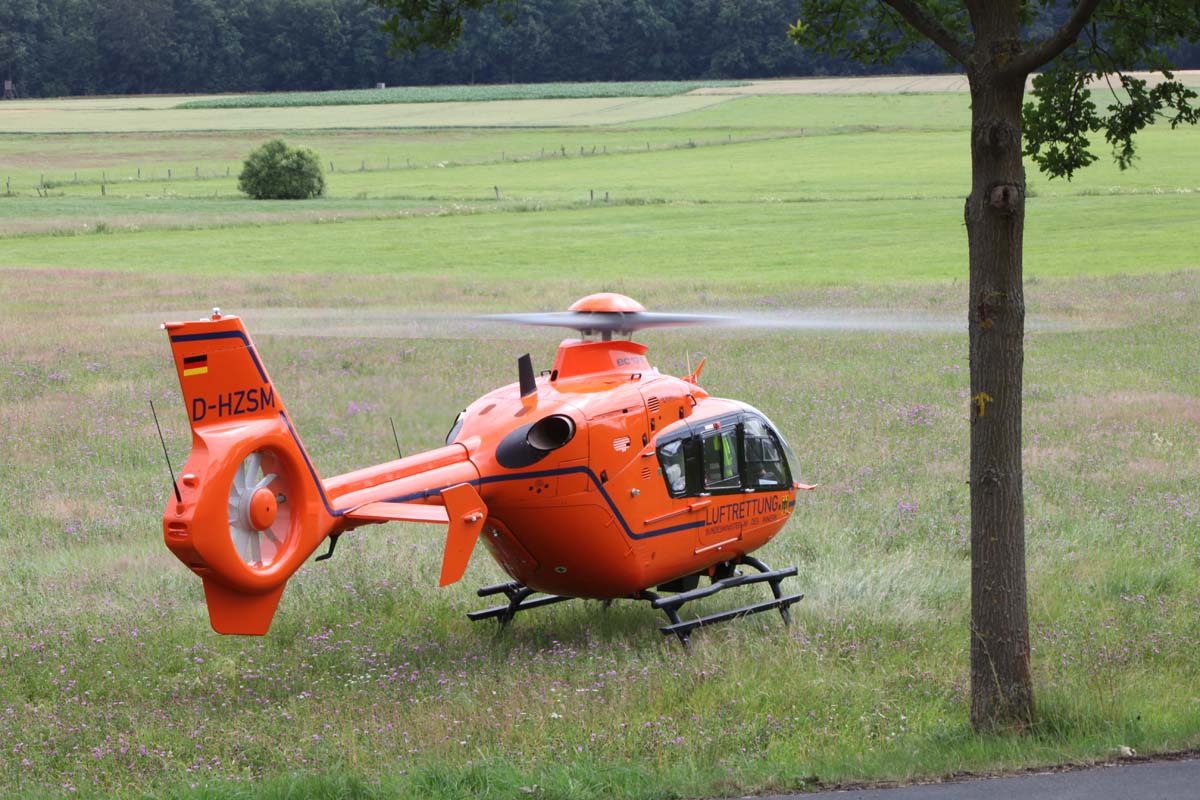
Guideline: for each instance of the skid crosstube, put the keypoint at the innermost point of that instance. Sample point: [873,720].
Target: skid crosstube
[518,600]
[519,595]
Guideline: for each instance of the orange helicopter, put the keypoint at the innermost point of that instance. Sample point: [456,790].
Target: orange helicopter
[601,478]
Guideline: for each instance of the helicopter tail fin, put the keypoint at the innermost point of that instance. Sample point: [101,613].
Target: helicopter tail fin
[250,507]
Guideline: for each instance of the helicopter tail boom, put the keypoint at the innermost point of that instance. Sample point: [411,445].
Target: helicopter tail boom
[250,507]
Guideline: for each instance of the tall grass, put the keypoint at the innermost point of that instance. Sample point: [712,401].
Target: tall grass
[373,684]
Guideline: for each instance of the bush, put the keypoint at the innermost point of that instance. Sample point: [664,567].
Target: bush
[275,171]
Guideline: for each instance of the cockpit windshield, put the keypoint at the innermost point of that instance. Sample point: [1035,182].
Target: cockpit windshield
[792,462]
[456,427]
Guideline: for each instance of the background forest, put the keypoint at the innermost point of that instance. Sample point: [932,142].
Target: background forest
[80,47]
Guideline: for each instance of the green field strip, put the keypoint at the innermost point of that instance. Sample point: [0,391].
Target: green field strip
[797,243]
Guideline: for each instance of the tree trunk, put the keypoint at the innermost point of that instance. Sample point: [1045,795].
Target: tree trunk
[1001,683]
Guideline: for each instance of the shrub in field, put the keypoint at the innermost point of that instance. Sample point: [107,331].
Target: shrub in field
[276,171]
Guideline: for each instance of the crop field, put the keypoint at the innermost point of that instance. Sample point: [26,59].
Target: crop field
[457,94]
[842,214]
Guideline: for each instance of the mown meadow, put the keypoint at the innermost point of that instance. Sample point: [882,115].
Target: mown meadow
[372,682]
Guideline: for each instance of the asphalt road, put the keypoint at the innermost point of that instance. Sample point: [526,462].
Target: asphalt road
[1146,780]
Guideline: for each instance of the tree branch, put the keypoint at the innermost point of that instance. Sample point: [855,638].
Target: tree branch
[916,15]
[1032,58]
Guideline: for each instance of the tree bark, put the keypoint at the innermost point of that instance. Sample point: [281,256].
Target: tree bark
[1001,682]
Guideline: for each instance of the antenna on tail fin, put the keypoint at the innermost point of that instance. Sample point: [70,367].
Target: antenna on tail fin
[170,469]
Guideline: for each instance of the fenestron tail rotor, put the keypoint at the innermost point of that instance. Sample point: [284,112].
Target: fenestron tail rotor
[259,517]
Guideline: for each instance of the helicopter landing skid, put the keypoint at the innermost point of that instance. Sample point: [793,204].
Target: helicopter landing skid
[671,604]
[519,599]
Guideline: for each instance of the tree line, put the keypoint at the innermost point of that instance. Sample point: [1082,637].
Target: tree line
[81,47]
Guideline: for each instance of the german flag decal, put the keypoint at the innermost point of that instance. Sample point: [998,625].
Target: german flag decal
[195,365]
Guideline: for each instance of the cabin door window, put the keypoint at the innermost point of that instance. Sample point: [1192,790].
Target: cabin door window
[722,470]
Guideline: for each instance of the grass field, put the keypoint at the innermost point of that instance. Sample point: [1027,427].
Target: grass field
[372,683]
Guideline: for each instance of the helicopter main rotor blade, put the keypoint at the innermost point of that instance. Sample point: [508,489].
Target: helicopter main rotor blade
[616,322]
[402,323]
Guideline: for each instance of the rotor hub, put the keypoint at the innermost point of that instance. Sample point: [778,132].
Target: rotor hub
[262,509]
[607,303]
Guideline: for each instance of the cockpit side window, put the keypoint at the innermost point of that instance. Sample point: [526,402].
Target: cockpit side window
[679,464]
[673,461]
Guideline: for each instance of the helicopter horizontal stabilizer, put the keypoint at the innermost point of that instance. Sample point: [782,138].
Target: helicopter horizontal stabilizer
[398,512]
[464,512]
